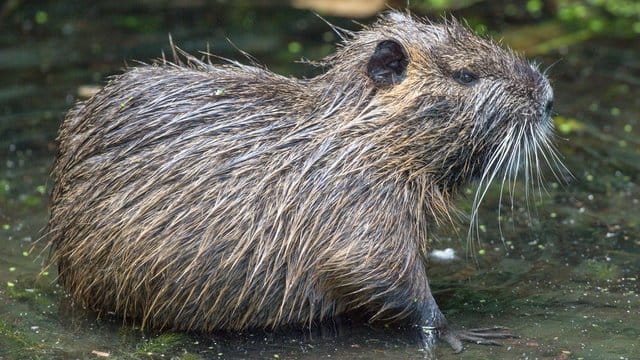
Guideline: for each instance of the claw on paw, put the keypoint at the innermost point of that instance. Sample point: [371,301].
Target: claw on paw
[482,336]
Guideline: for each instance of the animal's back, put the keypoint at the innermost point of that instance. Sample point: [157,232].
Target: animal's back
[156,202]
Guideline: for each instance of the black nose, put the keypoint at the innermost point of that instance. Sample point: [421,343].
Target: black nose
[548,107]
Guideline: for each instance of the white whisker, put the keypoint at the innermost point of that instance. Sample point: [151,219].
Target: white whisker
[526,146]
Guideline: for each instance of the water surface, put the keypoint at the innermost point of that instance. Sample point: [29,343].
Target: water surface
[560,269]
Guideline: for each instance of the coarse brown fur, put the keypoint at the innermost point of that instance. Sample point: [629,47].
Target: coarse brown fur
[202,197]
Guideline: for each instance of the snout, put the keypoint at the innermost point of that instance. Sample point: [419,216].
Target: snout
[541,92]
[545,97]
[548,108]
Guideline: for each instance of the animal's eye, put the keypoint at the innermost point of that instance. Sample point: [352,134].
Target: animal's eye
[465,77]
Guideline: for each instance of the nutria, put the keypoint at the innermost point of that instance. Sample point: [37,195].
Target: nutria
[194,196]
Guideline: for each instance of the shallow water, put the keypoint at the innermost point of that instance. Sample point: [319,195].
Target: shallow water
[562,270]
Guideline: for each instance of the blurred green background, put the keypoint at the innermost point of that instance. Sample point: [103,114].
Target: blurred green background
[562,272]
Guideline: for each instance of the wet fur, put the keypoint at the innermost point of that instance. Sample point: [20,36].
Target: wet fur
[200,197]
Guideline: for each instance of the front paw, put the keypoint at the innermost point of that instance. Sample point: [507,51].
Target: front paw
[455,337]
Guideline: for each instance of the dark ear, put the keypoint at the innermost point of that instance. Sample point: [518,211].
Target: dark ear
[388,64]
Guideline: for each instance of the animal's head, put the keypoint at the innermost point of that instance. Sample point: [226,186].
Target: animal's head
[459,106]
